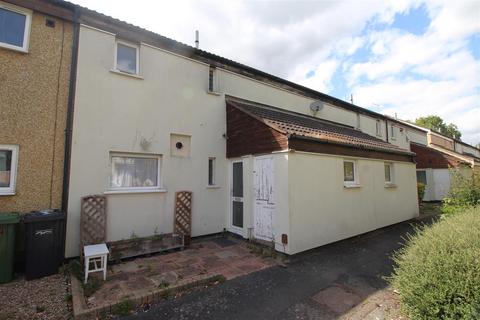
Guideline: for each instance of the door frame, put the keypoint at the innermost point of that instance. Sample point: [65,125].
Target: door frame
[231,227]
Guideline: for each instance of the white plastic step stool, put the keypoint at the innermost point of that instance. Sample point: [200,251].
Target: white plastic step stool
[97,255]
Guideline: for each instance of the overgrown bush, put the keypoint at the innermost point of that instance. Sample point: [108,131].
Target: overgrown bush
[438,271]
[420,191]
[464,192]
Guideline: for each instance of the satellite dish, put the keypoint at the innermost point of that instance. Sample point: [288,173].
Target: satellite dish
[316,106]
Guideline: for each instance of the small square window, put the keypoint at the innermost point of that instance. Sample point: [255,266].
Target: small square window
[349,173]
[8,169]
[135,172]
[211,171]
[14,27]
[126,58]
[388,173]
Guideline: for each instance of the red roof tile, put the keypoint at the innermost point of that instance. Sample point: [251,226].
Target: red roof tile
[304,126]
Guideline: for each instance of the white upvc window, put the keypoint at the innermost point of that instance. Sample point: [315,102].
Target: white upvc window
[212,80]
[135,172]
[350,175]
[392,132]
[14,27]
[378,128]
[127,58]
[389,174]
[211,171]
[8,169]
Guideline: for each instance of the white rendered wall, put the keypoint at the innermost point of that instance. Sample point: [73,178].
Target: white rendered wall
[322,210]
[114,112]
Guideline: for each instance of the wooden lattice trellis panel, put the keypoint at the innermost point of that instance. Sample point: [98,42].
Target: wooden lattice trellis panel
[93,221]
[183,214]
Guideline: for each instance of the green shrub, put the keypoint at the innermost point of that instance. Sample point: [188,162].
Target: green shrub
[438,271]
[464,192]
[420,191]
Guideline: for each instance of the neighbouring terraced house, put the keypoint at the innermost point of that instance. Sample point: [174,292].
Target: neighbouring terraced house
[265,158]
[36,45]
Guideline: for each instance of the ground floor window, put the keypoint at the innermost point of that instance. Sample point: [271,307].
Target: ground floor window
[8,168]
[135,171]
[349,172]
[388,173]
[422,176]
[211,171]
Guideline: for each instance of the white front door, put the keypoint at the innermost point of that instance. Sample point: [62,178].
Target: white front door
[264,207]
[236,212]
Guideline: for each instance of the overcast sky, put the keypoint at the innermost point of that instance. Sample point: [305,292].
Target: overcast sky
[412,58]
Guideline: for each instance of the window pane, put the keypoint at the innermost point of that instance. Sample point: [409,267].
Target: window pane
[348,171]
[237,218]
[210,79]
[12,27]
[238,179]
[126,59]
[134,172]
[210,172]
[387,173]
[5,168]
[422,177]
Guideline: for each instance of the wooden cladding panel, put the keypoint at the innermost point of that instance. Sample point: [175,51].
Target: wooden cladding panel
[248,135]
[429,158]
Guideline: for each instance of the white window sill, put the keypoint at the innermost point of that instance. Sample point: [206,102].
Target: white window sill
[213,187]
[12,47]
[390,185]
[7,194]
[215,93]
[126,191]
[135,76]
[351,185]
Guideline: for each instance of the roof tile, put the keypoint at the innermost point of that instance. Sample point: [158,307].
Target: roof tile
[304,126]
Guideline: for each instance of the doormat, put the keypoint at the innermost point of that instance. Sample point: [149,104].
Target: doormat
[224,242]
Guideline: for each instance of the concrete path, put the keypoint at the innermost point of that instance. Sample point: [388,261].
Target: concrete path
[325,283]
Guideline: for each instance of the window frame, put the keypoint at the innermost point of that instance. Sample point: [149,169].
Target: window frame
[392,132]
[26,33]
[355,182]
[378,128]
[10,191]
[214,169]
[213,89]
[391,166]
[137,57]
[416,176]
[158,188]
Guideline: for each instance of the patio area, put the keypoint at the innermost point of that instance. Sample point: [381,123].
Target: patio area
[143,278]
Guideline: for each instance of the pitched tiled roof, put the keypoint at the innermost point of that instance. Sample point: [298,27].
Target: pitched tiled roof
[303,126]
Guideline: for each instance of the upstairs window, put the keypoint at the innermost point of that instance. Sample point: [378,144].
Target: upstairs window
[378,128]
[212,80]
[126,58]
[8,169]
[392,132]
[14,27]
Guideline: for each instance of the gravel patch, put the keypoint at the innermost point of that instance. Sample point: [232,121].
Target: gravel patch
[45,298]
